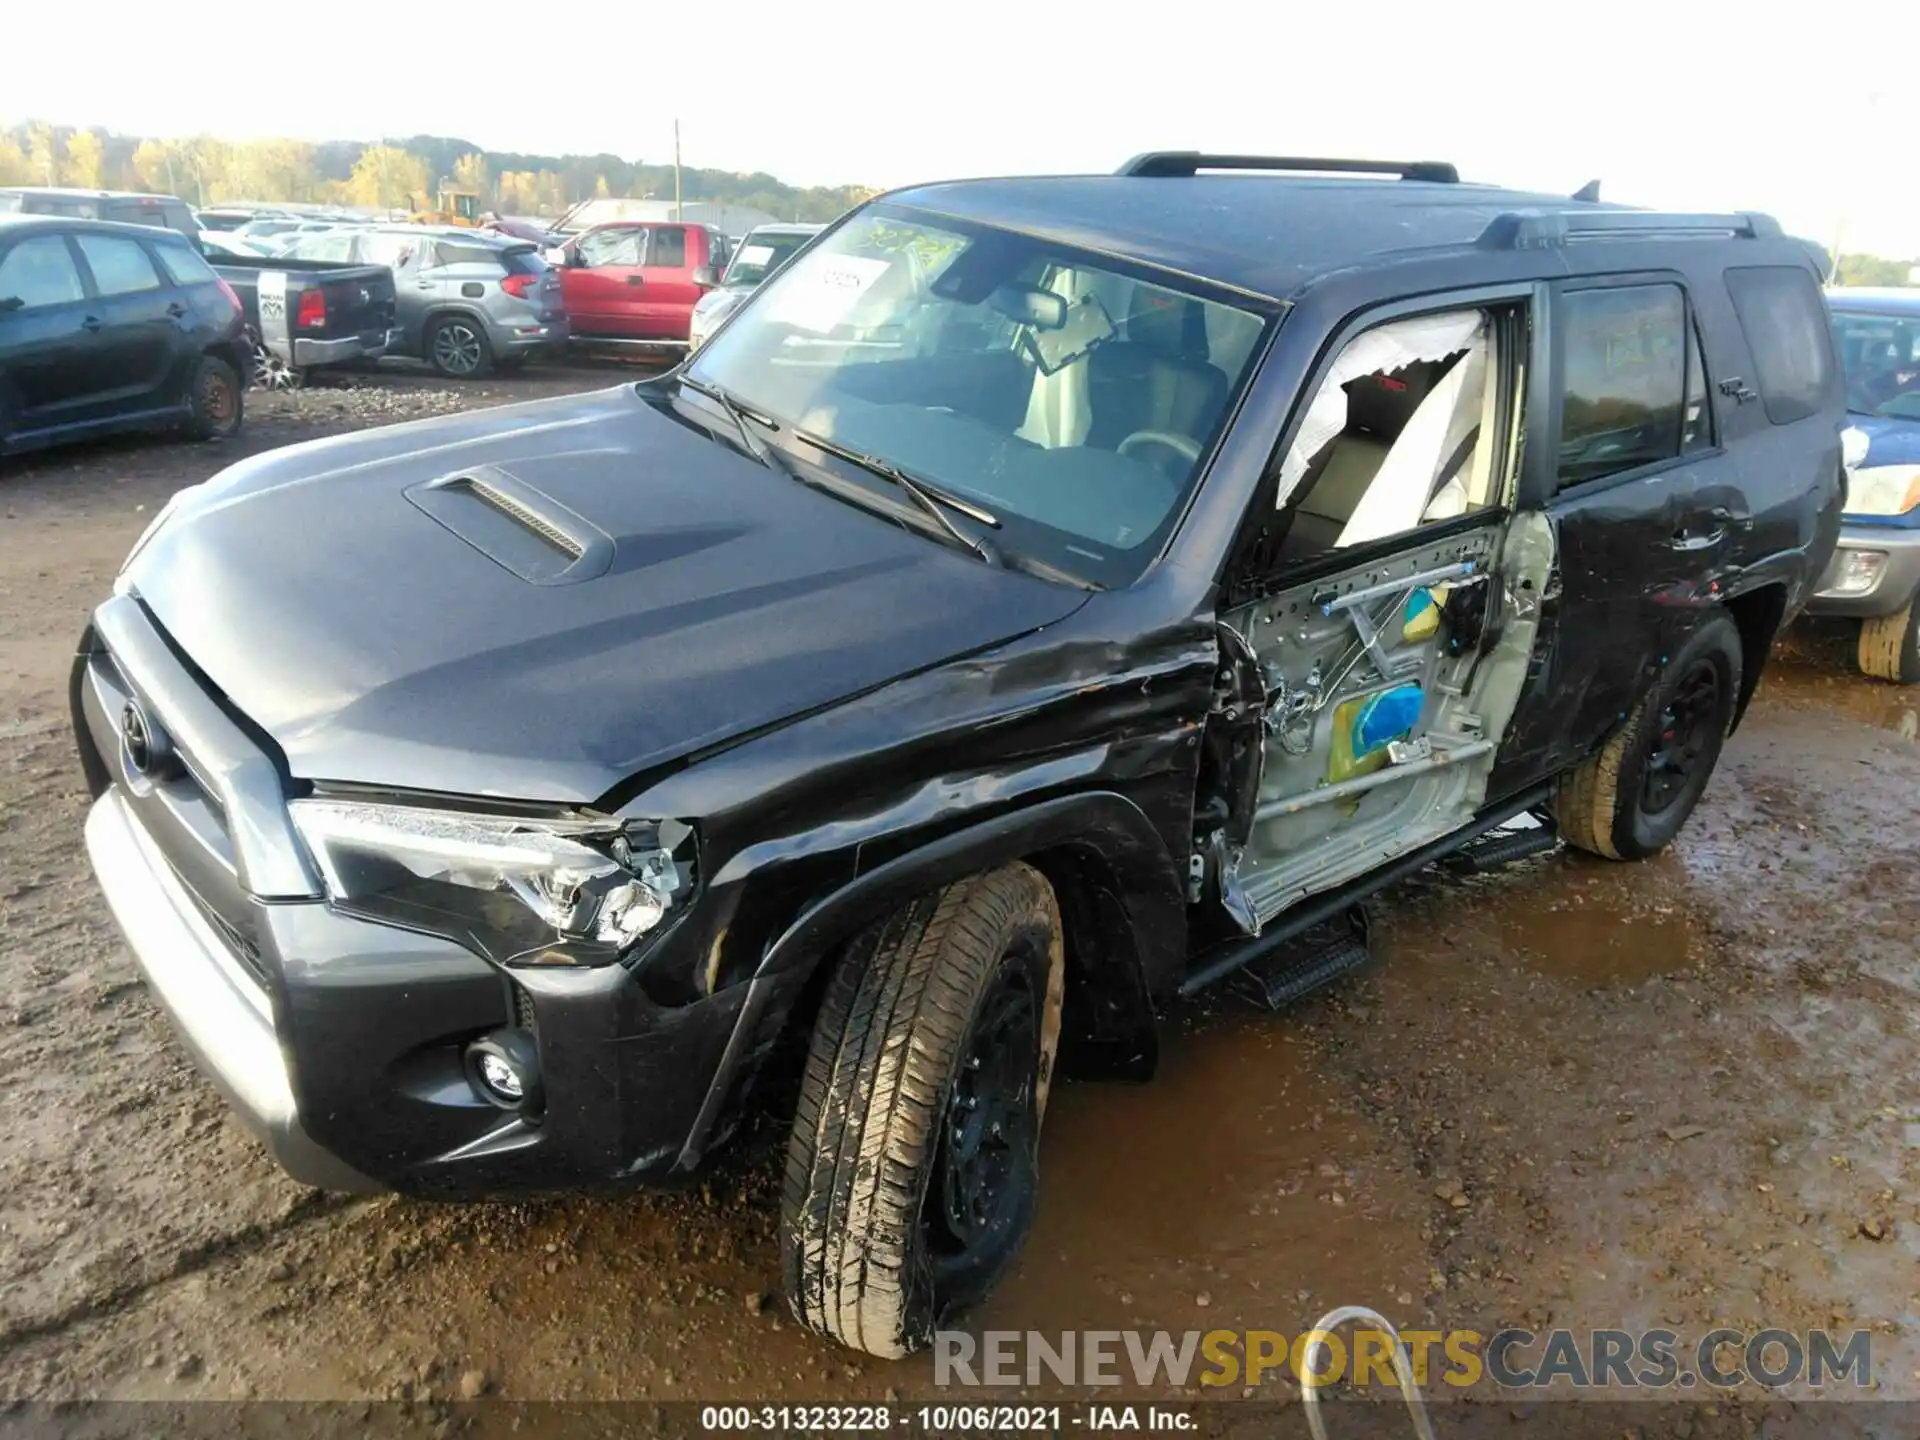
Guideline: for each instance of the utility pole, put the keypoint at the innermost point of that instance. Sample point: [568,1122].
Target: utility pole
[676,170]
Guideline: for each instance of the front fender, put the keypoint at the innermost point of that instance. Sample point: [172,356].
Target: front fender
[1121,897]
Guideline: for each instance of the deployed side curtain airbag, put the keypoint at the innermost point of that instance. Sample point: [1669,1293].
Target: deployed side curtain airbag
[1384,350]
[1398,497]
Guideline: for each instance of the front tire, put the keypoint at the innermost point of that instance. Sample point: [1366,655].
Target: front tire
[458,348]
[1890,645]
[912,1171]
[1630,800]
[215,399]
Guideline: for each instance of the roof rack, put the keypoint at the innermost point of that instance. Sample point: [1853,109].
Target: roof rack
[1191,162]
[1550,229]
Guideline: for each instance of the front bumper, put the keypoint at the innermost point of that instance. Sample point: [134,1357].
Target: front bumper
[220,1011]
[1895,584]
[339,1041]
[370,346]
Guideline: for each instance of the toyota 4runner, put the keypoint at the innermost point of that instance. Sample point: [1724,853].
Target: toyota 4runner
[1043,598]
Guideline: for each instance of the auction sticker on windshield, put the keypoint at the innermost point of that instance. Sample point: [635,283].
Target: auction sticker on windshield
[820,295]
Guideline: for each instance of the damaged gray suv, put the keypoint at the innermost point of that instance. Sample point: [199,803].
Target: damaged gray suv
[1042,598]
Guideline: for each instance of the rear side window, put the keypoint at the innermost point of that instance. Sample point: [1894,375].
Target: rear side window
[668,247]
[1624,369]
[1785,323]
[39,271]
[456,254]
[183,267]
[120,266]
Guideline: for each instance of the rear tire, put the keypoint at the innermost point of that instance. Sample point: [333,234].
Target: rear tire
[216,400]
[912,1171]
[1890,645]
[1628,801]
[458,348]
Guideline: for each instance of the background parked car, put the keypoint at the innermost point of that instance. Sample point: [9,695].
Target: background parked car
[1874,575]
[303,314]
[108,327]
[761,253]
[638,282]
[467,300]
[232,217]
[125,207]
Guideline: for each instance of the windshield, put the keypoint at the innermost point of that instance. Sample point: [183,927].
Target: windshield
[1072,400]
[1882,356]
[759,255]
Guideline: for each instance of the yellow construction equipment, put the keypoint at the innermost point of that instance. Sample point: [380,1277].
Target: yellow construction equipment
[450,207]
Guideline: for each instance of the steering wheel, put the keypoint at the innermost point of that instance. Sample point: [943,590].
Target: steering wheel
[1184,446]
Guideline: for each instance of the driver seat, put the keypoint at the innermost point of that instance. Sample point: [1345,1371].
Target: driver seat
[1159,377]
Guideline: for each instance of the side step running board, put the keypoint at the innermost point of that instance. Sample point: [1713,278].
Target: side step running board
[1498,849]
[1308,961]
[1238,954]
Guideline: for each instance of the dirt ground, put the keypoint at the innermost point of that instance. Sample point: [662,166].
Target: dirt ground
[1574,1093]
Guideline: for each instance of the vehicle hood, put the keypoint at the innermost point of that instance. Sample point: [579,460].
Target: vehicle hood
[372,623]
[1889,441]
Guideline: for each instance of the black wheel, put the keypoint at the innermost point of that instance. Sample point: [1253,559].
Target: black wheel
[215,399]
[1630,800]
[457,347]
[1890,645]
[913,1168]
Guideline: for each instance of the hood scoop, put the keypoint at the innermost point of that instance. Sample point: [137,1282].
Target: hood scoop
[518,526]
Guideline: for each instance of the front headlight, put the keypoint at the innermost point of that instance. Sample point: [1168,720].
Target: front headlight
[521,892]
[1883,490]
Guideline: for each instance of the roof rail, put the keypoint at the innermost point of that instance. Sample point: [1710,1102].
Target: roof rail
[1191,162]
[1549,229]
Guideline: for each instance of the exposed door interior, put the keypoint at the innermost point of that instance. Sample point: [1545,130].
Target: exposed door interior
[1382,687]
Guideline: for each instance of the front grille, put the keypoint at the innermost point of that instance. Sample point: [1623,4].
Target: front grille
[242,946]
[177,806]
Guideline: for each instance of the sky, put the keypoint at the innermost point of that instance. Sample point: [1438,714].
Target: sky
[1682,105]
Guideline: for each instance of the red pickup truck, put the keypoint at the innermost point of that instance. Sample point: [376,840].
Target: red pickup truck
[637,281]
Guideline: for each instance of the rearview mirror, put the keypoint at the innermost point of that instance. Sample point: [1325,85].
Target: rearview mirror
[1030,305]
[555,255]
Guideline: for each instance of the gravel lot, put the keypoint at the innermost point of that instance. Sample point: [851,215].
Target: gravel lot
[1573,1094]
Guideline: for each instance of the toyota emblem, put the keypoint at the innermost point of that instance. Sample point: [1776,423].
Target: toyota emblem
[149,751]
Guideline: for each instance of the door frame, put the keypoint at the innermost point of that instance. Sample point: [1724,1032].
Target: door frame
[1531,294]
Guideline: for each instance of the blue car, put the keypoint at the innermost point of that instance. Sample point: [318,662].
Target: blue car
[1874,575]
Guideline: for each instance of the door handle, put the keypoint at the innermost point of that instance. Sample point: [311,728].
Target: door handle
[636,279]
[91,323]
[176,310]
[1690,540]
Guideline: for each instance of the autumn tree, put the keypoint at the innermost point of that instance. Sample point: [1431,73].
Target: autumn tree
[14,169]
[388,178]
[43,154]
[83,169]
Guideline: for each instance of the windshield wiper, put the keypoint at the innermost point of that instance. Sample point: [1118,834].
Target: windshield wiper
[766,454]
[928,499]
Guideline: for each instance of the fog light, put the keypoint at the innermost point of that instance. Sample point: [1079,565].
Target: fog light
[504,1069]
[1855,572]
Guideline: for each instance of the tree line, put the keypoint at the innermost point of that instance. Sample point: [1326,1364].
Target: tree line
[393,174]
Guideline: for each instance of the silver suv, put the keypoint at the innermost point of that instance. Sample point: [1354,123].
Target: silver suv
[467,300]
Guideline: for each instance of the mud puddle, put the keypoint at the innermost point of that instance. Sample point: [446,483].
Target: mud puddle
[1241,1189]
